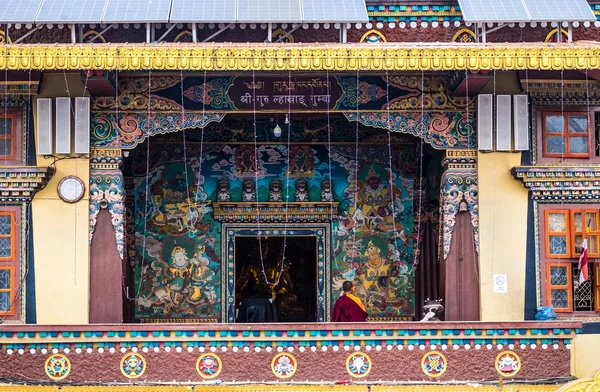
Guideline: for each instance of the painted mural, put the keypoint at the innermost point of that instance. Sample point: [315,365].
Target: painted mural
[179,265]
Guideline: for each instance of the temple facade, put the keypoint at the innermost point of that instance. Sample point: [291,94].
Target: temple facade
[183,194]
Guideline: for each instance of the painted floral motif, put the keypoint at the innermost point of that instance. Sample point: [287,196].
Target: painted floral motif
[440,130]
[360,94]
[434,364]
[284,365]
[508,363]
[208,365]
[358,364]
[213,93]
[133,365]
[125,130]
[57,366]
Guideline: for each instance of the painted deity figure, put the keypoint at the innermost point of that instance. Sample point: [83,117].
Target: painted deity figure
[180,274]
[374,197]
[301,160]
[375,268]
[246,159]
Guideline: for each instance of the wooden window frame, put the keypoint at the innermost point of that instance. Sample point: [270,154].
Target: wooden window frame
[11,290]
[568,286]
[13,263]
[584,227]
[14,136]
[13,236]
[566,134]
[567,235]
[572,260]
[596,285]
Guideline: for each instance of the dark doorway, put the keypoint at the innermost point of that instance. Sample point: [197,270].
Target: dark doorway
[291,287]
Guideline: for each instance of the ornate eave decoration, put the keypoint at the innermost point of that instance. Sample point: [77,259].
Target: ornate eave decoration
[301,57]
[568,92]
[22,183]
[275,211]
[552,183]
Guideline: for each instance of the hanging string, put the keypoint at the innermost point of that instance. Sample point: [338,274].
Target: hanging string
[123,284]
[420,189]
[76,215]
[329,147]
[147,184]
[469,147]
[287,177]
[587,104]
[391,169]
[256,168]
[203,122]
[185,161]
[356,161]
[531,154]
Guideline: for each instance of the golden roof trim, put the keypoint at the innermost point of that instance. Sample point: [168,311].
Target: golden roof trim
[302,57]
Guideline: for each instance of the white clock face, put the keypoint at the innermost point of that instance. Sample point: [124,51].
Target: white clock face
[71,189]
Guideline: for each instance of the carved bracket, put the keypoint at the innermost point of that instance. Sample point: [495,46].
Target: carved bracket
[22,183]
[107,191]
[459,184]
[275,211]
[551,183]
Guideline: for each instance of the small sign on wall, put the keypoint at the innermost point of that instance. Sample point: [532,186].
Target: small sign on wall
[500,283]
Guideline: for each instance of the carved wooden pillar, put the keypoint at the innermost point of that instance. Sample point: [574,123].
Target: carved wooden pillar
[459,245]
[107,200]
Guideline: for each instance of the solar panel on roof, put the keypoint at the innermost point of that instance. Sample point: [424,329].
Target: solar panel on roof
[352,11]
[493,11]
[70,11]
[123,11]
[19,11]
[560,10]
[283,11]
[206,11]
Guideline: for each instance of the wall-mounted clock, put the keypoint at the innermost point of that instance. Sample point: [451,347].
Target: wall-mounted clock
[71,189]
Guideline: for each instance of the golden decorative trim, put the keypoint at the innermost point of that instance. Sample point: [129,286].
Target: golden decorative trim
[583,385]
[106,152]
[318,211]
[461,154]
[466,388]
[123,388]
[301,57]
[280,388]
[552,33]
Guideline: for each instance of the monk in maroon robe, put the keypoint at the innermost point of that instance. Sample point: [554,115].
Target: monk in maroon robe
[348,308]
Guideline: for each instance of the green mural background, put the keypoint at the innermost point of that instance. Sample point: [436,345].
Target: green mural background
[178,267]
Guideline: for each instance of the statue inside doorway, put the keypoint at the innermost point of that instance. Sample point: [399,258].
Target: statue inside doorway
[274,283]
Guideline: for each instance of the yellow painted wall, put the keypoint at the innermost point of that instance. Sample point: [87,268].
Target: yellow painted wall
[585,356]
[502,236]
[60,231]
